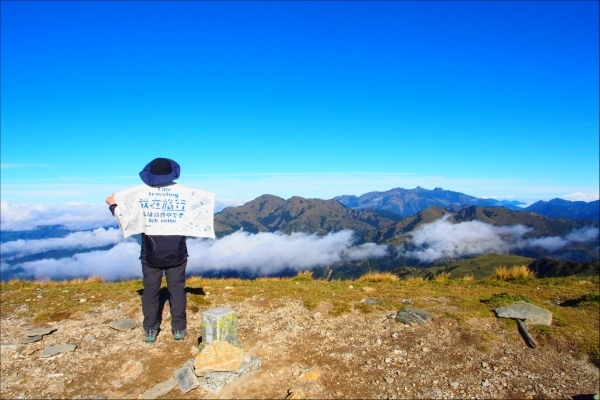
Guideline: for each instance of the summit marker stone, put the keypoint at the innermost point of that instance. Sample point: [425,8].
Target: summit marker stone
[220,324]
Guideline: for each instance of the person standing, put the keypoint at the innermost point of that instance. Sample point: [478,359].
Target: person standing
[161,254]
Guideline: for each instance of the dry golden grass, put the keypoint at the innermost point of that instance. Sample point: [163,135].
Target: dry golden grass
[378,277]
[304,276]
[441,277]
[516,272]
[415,279]
[468,278]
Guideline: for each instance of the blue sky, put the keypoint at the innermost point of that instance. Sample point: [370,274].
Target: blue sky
[317,99]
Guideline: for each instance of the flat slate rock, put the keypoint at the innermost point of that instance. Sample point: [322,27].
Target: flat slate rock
[54,350]
[186,379]
[533,315]
[370,301]
[40,331]
[159,390]
[416,315]
[31,339]
[123,324]
[215,381]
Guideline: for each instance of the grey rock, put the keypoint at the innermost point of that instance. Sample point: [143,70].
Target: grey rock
[215,381]
[186,379]
[159,390]
[485,383]
[413,315]
[54,350]
[370,301]
[123,324]
[508,351]
[40,332]
[31,339]
[406,301]
[532,315]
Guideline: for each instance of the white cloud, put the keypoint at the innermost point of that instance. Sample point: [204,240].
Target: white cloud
[76,240]
[120,262]
[583,235]
[581,196]
[268,253]
[22,217]
[442,239]
[253,254]
[220,204]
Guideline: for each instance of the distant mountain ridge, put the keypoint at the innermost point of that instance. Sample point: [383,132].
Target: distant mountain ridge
[559,208]
[408,202]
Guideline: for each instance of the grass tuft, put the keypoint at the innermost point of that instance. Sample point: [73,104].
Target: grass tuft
[304,276]
[441,276]
[378,277]
[468,278]
[516,272]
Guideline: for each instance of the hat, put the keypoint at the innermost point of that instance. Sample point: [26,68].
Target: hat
[160,171]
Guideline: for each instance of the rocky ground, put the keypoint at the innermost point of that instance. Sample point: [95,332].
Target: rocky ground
[305,354]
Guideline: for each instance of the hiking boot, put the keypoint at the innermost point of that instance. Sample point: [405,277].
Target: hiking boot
[151,335]
[178,335]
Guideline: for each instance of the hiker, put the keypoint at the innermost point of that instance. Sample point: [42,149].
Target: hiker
[159,253]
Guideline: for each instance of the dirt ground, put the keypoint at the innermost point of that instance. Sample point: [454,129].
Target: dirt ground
[354,355]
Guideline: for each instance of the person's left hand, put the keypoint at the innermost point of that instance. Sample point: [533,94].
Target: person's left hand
[110,200]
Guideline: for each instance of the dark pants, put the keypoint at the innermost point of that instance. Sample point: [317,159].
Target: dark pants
[177,299]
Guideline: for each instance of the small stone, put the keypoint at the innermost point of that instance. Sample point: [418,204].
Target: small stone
[123,325]
[310,375]
[54,376]
[159,390]
[40,332]
[369,301]
[485,383]
[131,369]
[454,384]
[117,383]
[82,300]
[425,349]
[316,315]
[29,352]
[54,350]
[186,379]
[389,379]
[228,287]
[406,301]
[31,339]
[413,315]
[508,351]
[484,364]
[368,289]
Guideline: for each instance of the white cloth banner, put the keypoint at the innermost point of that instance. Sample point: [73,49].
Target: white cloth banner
[171,209]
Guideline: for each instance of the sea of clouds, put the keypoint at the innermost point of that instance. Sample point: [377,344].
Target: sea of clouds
[251,254]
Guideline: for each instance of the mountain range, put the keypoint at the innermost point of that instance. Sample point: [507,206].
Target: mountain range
[559,208]
[408,202]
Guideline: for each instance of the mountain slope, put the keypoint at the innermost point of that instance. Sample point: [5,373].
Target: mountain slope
[408,202]
[269,213]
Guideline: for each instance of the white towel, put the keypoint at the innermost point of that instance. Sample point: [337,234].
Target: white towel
[171,209]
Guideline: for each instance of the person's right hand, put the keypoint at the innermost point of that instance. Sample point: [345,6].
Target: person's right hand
[110,200]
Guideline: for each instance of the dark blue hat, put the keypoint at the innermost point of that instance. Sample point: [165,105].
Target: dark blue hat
[160,171]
